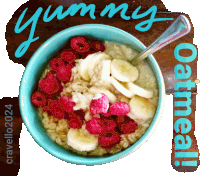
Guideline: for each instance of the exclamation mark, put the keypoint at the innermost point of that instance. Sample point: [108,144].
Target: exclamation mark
[186,155]
[186,163]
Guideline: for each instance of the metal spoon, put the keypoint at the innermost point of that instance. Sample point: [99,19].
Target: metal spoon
[180,27]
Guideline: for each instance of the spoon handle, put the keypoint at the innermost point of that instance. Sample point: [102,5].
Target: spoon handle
[180,27]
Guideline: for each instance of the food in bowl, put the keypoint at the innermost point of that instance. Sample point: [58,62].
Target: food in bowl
[92,101]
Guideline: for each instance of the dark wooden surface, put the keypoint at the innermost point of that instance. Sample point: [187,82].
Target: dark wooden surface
[165,57]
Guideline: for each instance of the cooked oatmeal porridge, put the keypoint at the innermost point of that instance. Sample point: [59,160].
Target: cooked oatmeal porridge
[92,101]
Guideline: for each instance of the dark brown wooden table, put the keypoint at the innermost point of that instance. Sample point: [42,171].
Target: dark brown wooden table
[165,57]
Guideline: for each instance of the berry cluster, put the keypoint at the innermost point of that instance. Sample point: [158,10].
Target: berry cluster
[106,126]
[50,88]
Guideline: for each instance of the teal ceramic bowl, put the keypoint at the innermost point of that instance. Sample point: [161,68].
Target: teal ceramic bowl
[36,66]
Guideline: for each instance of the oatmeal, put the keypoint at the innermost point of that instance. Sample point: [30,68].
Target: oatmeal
[92,101]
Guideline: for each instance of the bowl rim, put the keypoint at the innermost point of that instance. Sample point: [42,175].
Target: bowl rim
[96,160]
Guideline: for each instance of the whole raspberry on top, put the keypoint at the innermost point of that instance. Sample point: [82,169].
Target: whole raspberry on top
[119,108]
[56,63]
[56,109]
[95,126]
[75,119]
[99,104]
[98,46]
[38,99]
[49,84]
[68,55]
[126,124]
[109,138]
[64,73]
[110,124]
[67,103]
[80,44]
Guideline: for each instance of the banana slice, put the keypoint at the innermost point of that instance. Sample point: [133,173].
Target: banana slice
[137,90]
[123,98]
[112,98]
[105,73]
[141,107]
[80,141]
[121,88]
[95,60]
[123,70]
[83,67]
[101,74]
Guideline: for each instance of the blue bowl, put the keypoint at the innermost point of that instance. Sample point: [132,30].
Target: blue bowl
[36,66]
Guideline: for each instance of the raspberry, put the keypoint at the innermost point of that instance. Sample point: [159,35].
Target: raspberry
[107,114]
[119,108]
[56,63]
[98,46]
[109,123]
[67,103]
[38,99]
[99,104]
[56,109]
[68,55]
[49,84]
[80,44]
[109,138]
[95,126]
[75,119]
[87,53]
[129,127]
[64,73]
[46,109]
[122,119]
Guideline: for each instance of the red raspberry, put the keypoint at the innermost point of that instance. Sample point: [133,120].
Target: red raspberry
[49,84]
[46,109]
[67,103]
[119,108]
[38,99]
[99,104]
[56,109]
[107,114]
[98,46]
[109,123]
[68,55]
[129,127]
[87,53]
[64,73]
[95,126]
[122,119]
[80,44]
[56,63]
[109,138]
[75,119]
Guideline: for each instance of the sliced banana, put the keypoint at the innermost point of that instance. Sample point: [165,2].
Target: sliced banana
[101,74]
[137,90]
[121,88]
[123,71]
[81,141]
[83,67]
[141,107]
[105,73]
[123,98]
[112,98]
[95,60]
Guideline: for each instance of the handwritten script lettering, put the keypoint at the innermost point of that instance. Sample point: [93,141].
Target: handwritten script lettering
[110,9]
